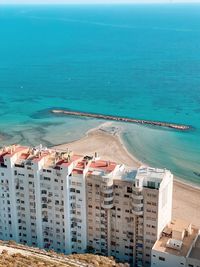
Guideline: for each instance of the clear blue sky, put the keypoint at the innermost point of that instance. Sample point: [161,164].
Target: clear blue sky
[93,1]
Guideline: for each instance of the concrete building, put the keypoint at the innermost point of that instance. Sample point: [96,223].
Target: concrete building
[42,197]
[71,203]
[179,246]
[127,210]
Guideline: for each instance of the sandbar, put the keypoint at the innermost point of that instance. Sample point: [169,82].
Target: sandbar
[109,145]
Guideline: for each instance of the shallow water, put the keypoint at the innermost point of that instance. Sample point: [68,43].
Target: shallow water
[137,61]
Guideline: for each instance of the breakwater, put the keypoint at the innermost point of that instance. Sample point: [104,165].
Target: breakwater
[180,127]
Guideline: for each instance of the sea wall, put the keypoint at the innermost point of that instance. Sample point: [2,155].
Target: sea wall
[180,127]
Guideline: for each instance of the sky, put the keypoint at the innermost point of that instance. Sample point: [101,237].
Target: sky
[93,1]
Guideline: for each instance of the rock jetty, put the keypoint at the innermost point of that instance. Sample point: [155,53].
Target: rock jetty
[180,127]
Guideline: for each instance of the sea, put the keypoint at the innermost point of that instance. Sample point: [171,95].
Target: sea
[138,61]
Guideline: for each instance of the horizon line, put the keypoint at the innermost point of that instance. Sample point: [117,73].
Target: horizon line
[169,2]
[100,3]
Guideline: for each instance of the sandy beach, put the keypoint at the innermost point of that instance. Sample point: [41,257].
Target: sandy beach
[108,144]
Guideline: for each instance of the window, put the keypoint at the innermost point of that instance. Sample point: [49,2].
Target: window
[151,184]
[129,190]
[163,259]
[47,178]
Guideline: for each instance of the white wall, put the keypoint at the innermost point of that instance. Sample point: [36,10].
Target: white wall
[165,203]
[170,260]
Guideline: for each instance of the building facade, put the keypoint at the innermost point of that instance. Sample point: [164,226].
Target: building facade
[72,204]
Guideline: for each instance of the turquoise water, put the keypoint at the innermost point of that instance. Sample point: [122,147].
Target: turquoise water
[141,61]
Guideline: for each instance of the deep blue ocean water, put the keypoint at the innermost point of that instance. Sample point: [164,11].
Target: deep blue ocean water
[141,61]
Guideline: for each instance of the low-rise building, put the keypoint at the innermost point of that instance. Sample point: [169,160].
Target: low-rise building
[179,246]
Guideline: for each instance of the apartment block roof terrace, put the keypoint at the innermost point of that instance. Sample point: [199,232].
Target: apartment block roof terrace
[101,167]
[126,173]
[10,151]
[82,165]
[170,244]
[151,173]
[58,160]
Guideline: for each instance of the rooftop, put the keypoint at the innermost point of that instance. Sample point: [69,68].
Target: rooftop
[102,166]
[189,235]
[81,166]
[149,172]
[56,159]
[126,173]
[151,177]
[69,161]
[75,171]
[11,150]
[195,252]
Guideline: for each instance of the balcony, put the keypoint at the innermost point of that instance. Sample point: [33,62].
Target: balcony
[137,205]
[107,203]
[45,219]
[138,211]
[136,189]
[107,190]
[19,165]
[137,196]
[108,199]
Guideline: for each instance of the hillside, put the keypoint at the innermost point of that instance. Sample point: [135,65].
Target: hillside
[16,255]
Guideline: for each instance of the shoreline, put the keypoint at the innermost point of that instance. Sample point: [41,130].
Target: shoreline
[118,135]
[110,146]
[94,141]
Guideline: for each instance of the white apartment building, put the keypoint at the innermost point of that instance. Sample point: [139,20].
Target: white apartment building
[127,210]
[42,199]
[178,246]
[71,203]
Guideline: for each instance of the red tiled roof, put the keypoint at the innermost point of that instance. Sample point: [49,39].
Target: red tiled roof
[106,166]
[72,159]
[15,150]
[24,155]
[75,171]
[39,157]
[80,165]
